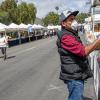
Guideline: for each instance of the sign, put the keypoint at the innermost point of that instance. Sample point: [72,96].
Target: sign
[30,29]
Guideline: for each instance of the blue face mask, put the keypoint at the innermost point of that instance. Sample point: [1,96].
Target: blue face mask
[74,25]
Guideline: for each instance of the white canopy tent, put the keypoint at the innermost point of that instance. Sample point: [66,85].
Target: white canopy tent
[2,27]
[40,27]
[13,27]
[34,26]
[54,27]
[29,25]
[50,27]
[22,26]
[37,26]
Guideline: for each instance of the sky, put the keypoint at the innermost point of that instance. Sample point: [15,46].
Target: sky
[45,6]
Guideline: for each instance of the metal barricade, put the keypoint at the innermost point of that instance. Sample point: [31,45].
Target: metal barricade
[96,72]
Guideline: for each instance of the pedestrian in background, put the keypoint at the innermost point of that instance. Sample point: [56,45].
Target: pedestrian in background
[3,44]
[75,67]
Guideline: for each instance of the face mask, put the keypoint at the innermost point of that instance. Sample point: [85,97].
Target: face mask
[74,25]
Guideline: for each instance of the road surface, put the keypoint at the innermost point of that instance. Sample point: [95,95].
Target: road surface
[31,72]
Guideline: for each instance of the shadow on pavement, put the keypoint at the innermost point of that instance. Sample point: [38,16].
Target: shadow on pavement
[1,56]
[11,57]
[86,98]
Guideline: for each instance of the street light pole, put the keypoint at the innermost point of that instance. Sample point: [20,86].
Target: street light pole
[92,15]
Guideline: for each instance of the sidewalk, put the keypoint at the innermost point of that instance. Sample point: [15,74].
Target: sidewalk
[89,93]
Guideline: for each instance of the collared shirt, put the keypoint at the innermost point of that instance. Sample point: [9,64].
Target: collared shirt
[70,43]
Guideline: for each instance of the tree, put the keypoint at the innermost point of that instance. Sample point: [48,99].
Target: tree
[32,12]
[80,17]
[13,16]
[27,13]
[51,18]
[23,13]
[8,5]
[4,17]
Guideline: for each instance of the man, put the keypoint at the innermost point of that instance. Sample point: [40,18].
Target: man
[3,44]
[75,68]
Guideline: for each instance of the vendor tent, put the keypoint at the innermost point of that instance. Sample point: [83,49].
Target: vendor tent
[22,26]
[54,27]
[2,27]
[12,26]
[39,26]
[34,26]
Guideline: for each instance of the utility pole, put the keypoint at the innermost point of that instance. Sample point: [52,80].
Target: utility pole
[92,14]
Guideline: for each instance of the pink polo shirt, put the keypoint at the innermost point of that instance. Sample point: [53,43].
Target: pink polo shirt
[70,43]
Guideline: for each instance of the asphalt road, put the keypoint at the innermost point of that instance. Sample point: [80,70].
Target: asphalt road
[31,72]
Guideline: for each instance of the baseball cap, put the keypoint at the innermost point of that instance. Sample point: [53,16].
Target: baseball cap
[65,14]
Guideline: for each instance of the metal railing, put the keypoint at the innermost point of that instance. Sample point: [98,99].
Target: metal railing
[96,72]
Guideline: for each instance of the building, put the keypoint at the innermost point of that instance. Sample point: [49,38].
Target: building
[38,21]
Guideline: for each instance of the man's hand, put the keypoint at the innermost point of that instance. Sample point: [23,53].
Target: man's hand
[92,47]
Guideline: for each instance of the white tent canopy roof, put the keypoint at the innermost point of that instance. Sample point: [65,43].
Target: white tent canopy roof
[29,25]
[12,26]
[40,26]
[22,26]
[2,27]
[54,27]
[50,27]
[37,26]
[34,26]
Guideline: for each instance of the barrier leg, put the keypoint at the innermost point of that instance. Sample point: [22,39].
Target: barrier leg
[96,74]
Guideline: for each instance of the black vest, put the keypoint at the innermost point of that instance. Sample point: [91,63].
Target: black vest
[72,66]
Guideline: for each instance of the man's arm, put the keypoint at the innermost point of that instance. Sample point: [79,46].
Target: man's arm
[69,43]
[92,47]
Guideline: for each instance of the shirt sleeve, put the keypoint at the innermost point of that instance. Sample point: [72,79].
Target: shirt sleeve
[69,42]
